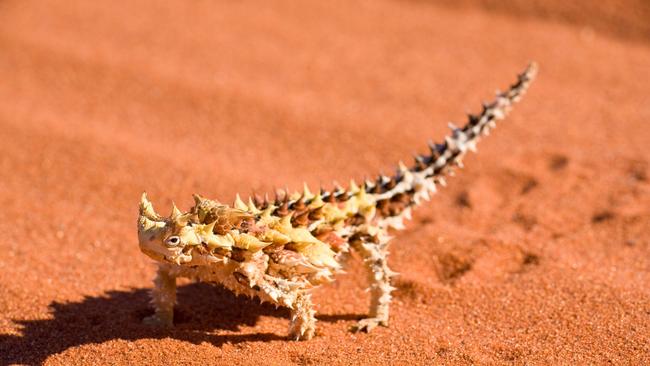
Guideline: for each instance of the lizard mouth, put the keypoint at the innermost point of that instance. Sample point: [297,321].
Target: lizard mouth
[154,255]
[178,257]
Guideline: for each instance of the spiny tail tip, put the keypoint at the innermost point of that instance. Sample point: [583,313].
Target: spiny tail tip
[531,70]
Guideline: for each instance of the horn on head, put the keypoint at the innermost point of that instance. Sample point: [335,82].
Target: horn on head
[175,212]
[198,199]
[149,219]
[146,208]
[178,217]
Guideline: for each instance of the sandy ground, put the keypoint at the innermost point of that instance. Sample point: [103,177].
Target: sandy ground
[538,252]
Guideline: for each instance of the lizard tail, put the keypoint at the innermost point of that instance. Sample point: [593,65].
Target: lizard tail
[392,198]
[395,196]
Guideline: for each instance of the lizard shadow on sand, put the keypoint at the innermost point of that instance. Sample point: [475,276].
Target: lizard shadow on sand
[201,309]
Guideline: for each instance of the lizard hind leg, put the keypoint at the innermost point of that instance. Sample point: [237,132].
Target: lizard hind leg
[303,320]
[375,256]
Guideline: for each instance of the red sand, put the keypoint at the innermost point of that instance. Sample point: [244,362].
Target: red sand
[538,252]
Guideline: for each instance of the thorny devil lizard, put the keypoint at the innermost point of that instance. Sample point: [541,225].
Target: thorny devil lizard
[280,250]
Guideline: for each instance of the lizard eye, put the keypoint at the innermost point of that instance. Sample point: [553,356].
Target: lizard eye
[173,241]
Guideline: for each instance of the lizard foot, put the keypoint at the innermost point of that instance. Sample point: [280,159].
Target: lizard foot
[158,321]
[368,324]
[305,335]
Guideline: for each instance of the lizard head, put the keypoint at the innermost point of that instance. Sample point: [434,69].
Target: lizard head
[158,235]
[179,238]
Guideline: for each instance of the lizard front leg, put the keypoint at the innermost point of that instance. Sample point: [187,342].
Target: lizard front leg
[379,275]
[163,298]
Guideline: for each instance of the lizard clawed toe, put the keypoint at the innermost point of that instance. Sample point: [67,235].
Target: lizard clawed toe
[368,324]
[304,336]
[157,321]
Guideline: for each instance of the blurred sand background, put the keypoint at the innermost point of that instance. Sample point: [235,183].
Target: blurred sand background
[537,252]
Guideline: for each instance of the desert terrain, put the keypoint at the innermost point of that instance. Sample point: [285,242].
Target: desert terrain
[538,252]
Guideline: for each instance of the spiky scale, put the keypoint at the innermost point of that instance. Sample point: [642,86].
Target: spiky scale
[239,204]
